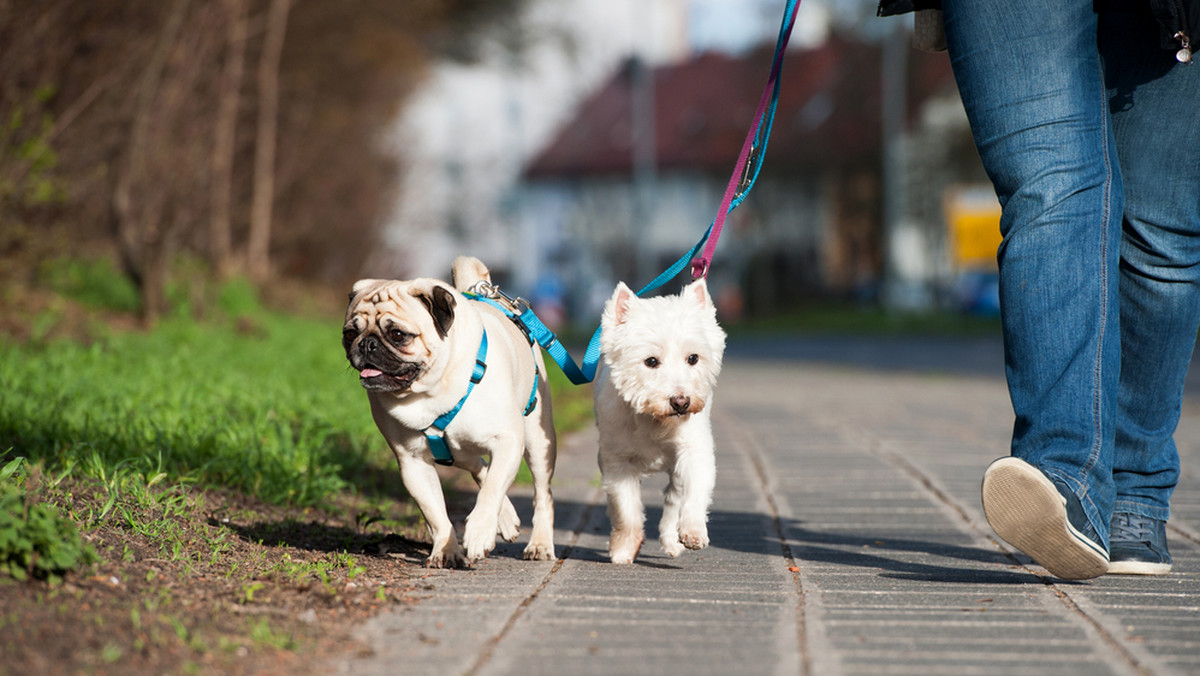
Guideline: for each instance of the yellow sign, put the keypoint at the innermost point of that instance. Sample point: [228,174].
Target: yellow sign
[973,218]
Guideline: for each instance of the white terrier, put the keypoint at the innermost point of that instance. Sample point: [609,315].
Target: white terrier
[652,397]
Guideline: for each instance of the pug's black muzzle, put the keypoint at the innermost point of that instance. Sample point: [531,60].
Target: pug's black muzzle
[379,368]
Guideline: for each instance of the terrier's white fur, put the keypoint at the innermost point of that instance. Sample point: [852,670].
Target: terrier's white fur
[653,397]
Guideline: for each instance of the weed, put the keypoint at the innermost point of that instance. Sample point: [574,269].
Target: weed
[36,540]
[249,590]
[110,653]
[262,632]
[94,283]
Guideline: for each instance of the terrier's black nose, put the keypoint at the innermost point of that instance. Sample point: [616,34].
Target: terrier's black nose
[680,403]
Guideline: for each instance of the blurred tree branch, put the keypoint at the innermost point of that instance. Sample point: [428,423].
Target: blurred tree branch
[128,128]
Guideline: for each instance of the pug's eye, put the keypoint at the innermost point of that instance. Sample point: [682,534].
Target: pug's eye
[651,362]
[348,336]
[398,337]
[693,359]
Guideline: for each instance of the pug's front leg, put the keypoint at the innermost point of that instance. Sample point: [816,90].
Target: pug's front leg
[479,537]
[421,480]
[509,524]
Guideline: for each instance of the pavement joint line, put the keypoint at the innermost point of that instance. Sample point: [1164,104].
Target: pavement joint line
[752,453]
[1184,532]
[486,653]
[1074,606]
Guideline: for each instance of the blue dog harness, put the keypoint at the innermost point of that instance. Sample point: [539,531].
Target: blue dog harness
[435,434]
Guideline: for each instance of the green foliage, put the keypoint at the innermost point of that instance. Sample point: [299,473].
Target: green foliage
[94,283]
[35,540]
[24,145]
[276,414]
[572,403]
[239,298]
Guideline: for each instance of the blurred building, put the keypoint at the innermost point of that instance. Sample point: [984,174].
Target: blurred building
[632,180]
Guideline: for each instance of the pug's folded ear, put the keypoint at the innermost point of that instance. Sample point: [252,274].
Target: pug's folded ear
[362,285]
[440,303]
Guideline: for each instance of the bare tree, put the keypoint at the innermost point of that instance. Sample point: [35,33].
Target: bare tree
[139,230]
[220,230]
[258,248]
[126,128]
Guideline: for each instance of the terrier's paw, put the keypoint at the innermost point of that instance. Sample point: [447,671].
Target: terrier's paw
[672,546]
[539,551]
[694,538]
[623,545]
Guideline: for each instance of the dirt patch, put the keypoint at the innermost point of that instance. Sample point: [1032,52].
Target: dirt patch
[207,582]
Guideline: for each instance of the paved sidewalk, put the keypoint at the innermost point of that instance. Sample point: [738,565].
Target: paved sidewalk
[847,538]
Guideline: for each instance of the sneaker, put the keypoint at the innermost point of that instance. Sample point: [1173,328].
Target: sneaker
[1139,545]
[1043,519]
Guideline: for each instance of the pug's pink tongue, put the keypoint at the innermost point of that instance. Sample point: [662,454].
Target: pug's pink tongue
[369,373]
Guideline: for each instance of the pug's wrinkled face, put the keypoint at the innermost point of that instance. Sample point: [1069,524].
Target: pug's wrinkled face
[394,331]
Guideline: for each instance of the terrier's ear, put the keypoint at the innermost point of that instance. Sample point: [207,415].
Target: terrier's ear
[441,303]
[622,298]
[697,292]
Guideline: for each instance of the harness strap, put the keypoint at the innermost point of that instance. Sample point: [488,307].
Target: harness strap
[538,333]
[532,394]
[437,437]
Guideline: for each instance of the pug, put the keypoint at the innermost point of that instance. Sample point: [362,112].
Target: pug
[415,345]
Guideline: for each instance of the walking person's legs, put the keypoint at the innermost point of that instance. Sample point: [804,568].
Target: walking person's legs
[1032,82]
[1156,121]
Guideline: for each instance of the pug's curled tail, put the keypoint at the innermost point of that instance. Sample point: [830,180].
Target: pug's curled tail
[467,270]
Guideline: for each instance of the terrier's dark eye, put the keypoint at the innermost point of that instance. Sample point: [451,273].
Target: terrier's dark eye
[693,359]
[651,362]
[398,337]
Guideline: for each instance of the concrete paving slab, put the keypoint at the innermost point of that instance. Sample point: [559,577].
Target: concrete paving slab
[847,538]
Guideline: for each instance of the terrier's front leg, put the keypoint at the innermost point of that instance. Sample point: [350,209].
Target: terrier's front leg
[668,527]
[697,470]
[626,514]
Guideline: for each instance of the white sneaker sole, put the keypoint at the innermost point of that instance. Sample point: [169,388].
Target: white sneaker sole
[1027,512]
[1138,568]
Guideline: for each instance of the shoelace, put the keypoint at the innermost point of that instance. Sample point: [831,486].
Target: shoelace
[1132,528]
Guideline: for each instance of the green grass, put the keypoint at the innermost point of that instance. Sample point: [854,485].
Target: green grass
[275,413]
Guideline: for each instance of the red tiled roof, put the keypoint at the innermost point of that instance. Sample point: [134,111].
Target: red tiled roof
[828,113]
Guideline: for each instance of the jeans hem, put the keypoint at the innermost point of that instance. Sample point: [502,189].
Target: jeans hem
[1098,523]
[1141,509]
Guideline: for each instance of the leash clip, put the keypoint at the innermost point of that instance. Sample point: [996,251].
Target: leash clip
[486,289]
[747,171]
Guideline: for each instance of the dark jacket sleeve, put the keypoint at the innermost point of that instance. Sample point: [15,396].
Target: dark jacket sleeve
[1178,20]
[894,7]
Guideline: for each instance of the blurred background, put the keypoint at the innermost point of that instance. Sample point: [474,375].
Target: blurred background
[567,143]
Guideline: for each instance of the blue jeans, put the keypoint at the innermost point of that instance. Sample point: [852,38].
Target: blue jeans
[1090,132]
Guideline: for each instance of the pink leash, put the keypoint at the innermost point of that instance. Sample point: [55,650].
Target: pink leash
[743,173]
